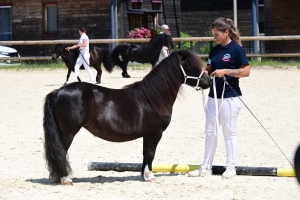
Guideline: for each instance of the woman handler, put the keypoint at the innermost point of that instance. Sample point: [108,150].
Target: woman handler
[227,61]
[84,55]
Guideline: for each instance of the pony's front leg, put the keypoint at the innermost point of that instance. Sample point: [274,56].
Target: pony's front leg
[149,148]
[148,175]
[68,76]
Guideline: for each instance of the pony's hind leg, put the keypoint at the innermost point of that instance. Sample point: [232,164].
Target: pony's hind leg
[59,132]
[99,74]
[124,69]
[65,176]
[149,148]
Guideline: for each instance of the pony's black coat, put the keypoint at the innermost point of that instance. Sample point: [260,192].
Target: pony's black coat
[145,53]
[97,56]
[297,164]
[142,109]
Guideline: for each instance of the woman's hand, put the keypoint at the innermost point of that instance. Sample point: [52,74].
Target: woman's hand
[72,47]
[243,71]
[218,73]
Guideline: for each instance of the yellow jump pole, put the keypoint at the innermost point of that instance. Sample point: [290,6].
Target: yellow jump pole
[286,172]
[174,168]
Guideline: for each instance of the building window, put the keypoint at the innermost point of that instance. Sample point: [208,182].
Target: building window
[156,4]
[136,4]
[50,18]
[150,22]
[5,23]
[136,21]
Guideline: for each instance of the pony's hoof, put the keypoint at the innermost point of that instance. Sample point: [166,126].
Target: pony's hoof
[148,175]
[66,181]
[153,180]
[125,75]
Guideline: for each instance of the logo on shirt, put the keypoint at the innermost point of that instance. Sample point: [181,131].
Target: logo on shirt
[226,57]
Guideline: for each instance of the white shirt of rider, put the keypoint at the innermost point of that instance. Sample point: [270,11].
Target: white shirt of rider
[84,50]
[163,53]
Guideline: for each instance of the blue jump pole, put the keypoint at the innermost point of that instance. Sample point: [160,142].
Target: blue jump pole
[112,19]
[254,25]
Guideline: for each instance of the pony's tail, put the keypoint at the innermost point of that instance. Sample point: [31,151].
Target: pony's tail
[108,65]
[115,56]
[55,153]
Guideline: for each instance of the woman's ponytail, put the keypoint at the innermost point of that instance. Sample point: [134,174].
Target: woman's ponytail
[234,33]
[223,24]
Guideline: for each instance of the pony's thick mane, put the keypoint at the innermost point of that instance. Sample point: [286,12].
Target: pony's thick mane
[162,84]
[159,39]
[60,48]
[153,47]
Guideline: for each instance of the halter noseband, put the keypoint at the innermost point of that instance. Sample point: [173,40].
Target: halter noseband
[197,87]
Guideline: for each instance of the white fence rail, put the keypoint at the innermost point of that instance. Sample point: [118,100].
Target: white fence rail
[126,40]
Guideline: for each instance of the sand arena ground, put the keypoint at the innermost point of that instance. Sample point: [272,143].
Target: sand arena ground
[271,94]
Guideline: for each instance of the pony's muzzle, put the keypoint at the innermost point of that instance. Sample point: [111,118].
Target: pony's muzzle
[54,57]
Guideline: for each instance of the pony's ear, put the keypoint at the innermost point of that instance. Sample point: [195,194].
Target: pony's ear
[185,53]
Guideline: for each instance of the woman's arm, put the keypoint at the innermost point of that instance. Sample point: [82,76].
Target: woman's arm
[243,71]
[84,44]
[77,45]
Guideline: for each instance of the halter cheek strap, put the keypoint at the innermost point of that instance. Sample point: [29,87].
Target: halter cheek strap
[197,87]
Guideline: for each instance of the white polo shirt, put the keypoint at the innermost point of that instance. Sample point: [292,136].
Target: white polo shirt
[84,50]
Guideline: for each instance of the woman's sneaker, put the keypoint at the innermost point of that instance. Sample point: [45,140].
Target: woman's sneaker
[229,173]
[200,172]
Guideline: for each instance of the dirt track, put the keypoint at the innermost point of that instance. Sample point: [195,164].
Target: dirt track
[272,95]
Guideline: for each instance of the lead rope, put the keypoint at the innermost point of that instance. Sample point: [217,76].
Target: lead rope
[225,82]
[216,104]
[84,58]
[216,107]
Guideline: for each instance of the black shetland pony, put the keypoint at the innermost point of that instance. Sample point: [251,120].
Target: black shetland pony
[145,53]
[97,56]
[142,109]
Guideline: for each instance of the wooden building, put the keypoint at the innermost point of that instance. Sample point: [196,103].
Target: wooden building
[52,20]
[60,19]
[282,18]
